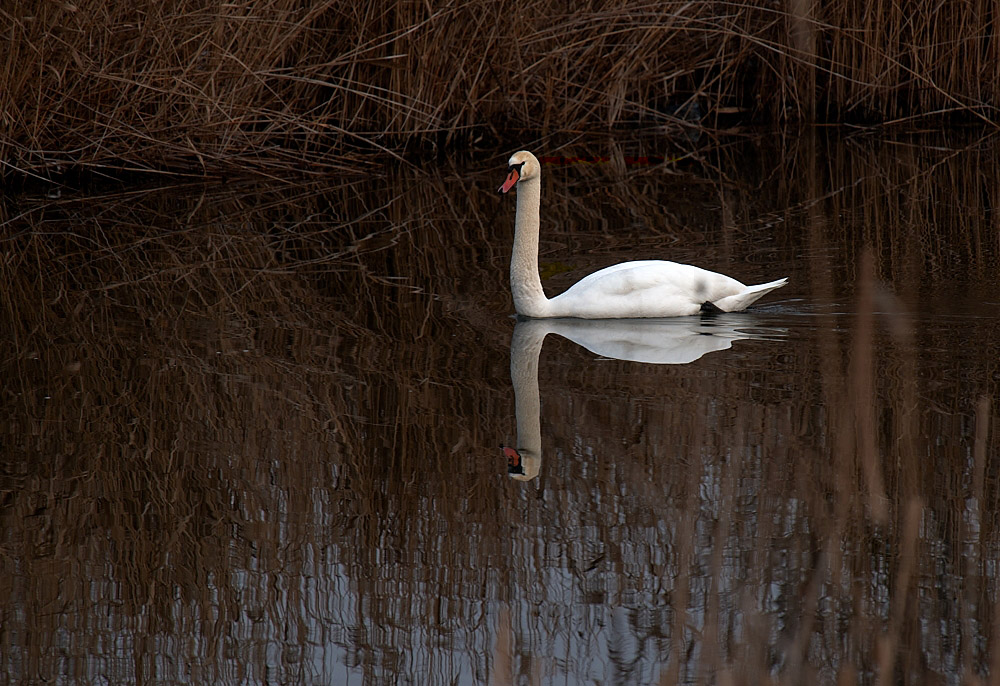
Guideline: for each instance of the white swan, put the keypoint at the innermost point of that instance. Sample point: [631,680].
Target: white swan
[648,288]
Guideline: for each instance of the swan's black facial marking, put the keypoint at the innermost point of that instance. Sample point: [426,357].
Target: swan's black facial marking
[513,176]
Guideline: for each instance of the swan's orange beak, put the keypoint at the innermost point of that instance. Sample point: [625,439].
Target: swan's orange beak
[512,176]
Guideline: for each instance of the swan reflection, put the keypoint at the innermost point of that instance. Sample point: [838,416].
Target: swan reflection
[649,341]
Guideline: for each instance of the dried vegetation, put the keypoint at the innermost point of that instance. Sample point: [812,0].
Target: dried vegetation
[211,86]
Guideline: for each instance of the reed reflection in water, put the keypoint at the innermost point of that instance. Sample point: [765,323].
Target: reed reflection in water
[249,433]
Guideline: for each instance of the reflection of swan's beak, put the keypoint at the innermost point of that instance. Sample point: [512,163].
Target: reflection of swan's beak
[522,467]
[514,463]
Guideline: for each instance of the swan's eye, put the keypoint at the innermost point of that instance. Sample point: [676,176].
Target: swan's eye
[515,167]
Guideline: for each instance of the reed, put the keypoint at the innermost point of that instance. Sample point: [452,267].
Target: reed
[310,85]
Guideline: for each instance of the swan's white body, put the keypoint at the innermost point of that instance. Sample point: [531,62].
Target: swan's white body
[647,288]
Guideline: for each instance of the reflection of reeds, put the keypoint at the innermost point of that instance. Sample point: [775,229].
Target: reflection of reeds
[269,422]
[280,85]
[861,390]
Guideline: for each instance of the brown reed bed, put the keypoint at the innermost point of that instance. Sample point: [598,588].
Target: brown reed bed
[287,85]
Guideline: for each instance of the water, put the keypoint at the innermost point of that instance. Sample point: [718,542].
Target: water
[251,433]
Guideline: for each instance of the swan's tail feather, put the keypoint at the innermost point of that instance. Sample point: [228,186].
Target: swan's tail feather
[748,296]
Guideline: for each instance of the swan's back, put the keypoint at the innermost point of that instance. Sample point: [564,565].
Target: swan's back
[646,288]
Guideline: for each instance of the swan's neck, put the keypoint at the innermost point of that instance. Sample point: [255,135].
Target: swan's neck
[525,285]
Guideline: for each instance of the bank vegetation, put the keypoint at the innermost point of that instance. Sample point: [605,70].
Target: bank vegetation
[206,86]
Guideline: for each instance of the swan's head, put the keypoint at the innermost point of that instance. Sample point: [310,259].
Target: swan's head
[522,166]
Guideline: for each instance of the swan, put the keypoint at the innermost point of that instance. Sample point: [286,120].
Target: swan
[645,288]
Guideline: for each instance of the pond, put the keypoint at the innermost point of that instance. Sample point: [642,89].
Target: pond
[261,432]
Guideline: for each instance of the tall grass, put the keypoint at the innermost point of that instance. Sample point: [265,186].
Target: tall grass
[212,86]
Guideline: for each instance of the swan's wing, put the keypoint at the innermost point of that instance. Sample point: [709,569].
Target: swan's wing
[630,277]
[650,288]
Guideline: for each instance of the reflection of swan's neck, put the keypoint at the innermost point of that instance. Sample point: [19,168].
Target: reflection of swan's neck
[524,350]
[525,284]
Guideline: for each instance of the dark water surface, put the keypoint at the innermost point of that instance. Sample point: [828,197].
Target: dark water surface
[250,433]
